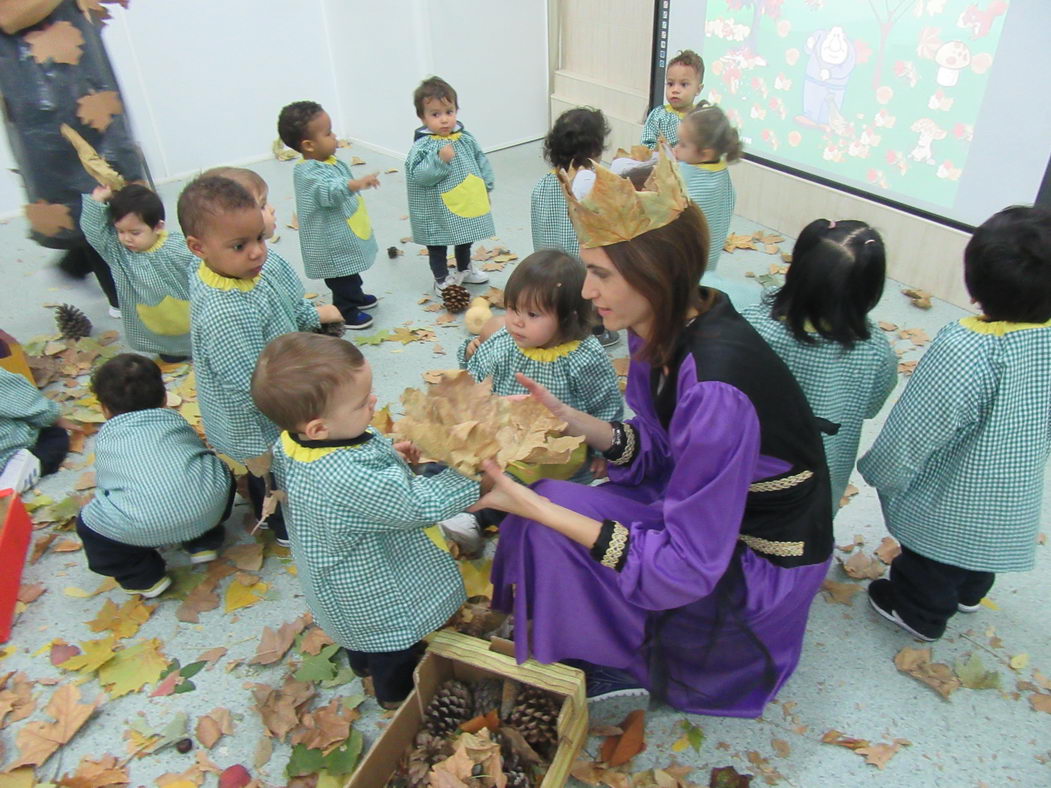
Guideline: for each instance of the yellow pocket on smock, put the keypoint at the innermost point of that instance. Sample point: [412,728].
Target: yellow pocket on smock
[169,318]
[359,222]
[470,199]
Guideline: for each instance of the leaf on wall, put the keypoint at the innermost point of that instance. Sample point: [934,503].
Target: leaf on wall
[60,42]
[48,218]
[98,109]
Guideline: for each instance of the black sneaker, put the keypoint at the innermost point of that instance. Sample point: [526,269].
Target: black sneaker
[605,683]
[359,320]
[881,598]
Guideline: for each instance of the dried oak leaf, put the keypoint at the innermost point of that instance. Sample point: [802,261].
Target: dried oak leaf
[916,662]
[106,771]
[48,218]
[879,754]
[274,643]
[325,728]
[888,549]
[37,741]
[213,726]
[16,700]
[843,593]
[314,640]
[461,423]
[60,42]
[279,706]
[862,566]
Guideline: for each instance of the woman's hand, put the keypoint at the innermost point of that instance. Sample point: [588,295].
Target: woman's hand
[597,433]
[409,451]
[506,494]
[558,408]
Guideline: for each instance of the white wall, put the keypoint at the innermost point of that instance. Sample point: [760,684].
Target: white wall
[204,80]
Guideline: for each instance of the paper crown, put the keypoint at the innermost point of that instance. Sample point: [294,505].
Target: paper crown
[613,211]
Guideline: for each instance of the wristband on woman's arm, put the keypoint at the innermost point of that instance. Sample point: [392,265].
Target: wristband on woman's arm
[622,450]
[611,547]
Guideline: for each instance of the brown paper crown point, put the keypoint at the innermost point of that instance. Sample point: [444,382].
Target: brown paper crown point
[637,152]
[614,211]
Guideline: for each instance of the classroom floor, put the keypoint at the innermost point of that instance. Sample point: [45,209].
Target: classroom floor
[846,681]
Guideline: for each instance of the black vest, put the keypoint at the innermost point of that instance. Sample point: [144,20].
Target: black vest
[787,518]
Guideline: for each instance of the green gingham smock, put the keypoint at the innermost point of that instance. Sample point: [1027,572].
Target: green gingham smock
[549,217]
[448,203]
[356,516]
[156,483]
[153,287]
[710,187]
[844,386]
[335,233]
[579,373]
[232,320]
[959,464]
[24,411]
[663,120]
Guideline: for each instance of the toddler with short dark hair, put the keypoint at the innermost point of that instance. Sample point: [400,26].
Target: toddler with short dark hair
[684,79]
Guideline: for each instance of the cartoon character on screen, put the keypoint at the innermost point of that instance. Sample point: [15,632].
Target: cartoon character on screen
[832,60]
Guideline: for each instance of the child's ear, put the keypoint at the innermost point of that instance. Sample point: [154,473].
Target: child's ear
[159,227]
[307,146]
[195,246]
[314,430]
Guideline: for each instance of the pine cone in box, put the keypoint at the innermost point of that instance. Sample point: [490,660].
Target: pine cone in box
[451,705]
[429,750]
[487,693]
[535,716]
[455,298]
[513,766]
[71,322]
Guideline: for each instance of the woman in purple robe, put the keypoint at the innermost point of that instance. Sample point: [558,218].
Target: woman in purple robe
[691,572]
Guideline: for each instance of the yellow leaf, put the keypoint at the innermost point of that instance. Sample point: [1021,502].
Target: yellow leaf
[681,744]
[94,654]
[18,778]
[1019,661]
[476,577]
[124,621]
[133,667]
[7,652]
[79,593]
[987,602]
[239,595]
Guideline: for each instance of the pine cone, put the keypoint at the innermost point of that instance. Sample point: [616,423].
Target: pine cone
[535,716]
[450,706]
[487,694]
[337,329]
[72,323]
[455,298]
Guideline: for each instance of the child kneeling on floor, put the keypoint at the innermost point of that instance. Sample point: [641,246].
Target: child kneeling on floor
[356,513]
[959,464]
[157,483]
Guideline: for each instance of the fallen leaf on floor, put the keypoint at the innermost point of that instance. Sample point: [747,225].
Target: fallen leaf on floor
[907,367]
[888,549]
[781,747]
[357,161]
[919,298]
[144,740]
[97,774]
[916,336]
[1040,702]
[917,663]
[879,754]
[887,326]
[213,726]
[848,494]
[973,675]
[274,643]
[1018,661]
[839,739]
[123,621]
[314,640]
[94,654]
[279,707]
[862,566]
[841,593]
[391,170]
[728,777]
[37,741]
[770,775]
[133,667]
[246,557]
[241,594]
[294,223]
[16,701]
[618,750]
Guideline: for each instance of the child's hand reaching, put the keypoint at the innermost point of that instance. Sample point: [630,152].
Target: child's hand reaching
[101,193]
[409,451]
[472,346]
[447,153]
[370,181]
[327,313]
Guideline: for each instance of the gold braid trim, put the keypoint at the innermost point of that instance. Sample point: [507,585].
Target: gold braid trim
[769,547]
[618,541]
[629,445]
[780,484]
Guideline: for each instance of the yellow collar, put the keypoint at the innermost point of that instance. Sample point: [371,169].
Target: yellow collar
[549,353]
[998,328]
[295,450]
[162,236]
[451,137]
[220,282]
[713,166]
[679,113]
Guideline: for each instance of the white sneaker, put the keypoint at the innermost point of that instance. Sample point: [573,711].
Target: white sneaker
[21,472]
[114,313]
[472,276]
[463,529]
[440,285]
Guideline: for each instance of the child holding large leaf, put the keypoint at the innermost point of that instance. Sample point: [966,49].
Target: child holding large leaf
[375,582]
[158,484]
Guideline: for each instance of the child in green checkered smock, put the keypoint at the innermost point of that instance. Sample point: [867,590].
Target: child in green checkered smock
[151,267]
[683,81]
[335,233]
[448,179]
[241,296]
[960,463]
[374,580]
[818,324]
[33,439]
[546,336]
[157,483]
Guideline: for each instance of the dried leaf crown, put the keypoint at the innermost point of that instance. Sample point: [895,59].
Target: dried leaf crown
[614,211]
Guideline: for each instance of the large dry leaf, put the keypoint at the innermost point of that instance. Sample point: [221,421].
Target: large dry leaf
[274,643]
[888,549]
[123,621]
[246,557]
[94,654]
[213,726]
[37,741]
[279,707]
[95,166]
[314,640]
[461,423]
[862,566]
[105,772]
[843,593]
[916,662]
[60,42]
[134,667]
[325,728]
[879,754]
[48,218]
[16,698]
[618,750]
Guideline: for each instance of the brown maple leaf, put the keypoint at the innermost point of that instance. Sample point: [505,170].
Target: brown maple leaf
[48,218]
[16,700]
[325,728]
[60,42]
[879,754]
[213,726]
[862,566]
[843,593]
[104,772]
[314,640]
[279,706]
[37,741]
[888,549]
[274,643]
[98,109]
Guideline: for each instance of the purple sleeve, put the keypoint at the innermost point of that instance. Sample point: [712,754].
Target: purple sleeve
[714,439]
[651,461]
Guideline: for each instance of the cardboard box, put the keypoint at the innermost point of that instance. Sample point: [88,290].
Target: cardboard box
[453,655]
